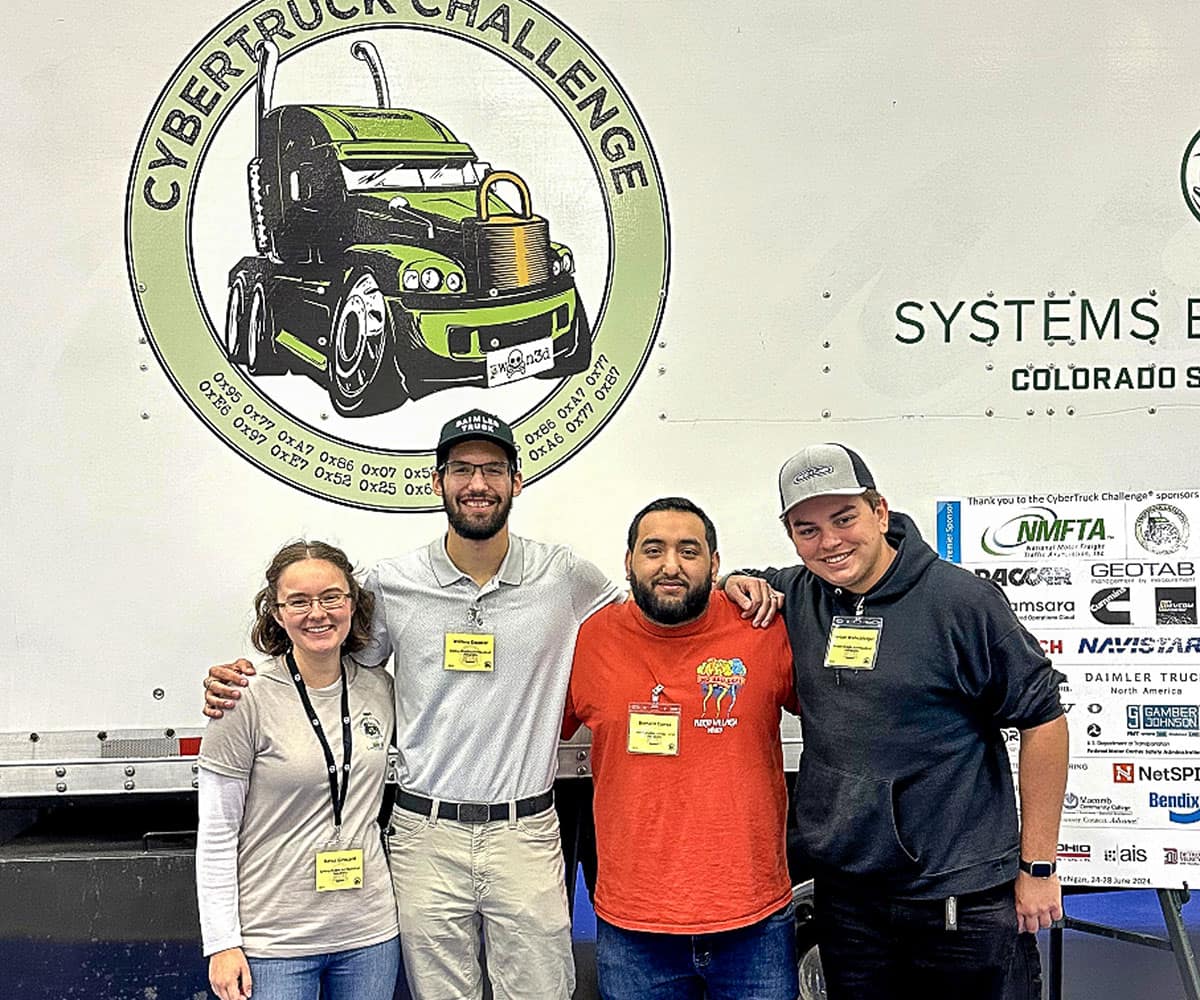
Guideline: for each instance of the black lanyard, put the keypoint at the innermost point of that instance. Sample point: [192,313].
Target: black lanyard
[337,796]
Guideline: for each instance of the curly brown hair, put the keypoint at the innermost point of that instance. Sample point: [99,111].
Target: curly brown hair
[269,636]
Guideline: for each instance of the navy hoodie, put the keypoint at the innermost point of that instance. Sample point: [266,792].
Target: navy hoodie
[905,785]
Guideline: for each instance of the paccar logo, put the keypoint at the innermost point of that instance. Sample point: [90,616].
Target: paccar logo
[386,273]
[1175,605]
[1162,719]
[1040,525]
[1111,605]
[1161,528]
[1026,576]
[1123,774]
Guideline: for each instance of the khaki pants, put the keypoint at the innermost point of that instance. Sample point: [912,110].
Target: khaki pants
[505,877]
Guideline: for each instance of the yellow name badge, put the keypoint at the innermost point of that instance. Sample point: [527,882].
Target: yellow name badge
[339,870]
[471,651]
[853,643]
[654,729]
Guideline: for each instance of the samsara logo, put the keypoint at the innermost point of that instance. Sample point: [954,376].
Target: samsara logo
[330,261]
[1040,525]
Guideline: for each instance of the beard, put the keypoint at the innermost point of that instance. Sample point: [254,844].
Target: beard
[671,611]
[473,525]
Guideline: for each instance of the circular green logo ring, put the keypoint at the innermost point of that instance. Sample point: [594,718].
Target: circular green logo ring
[159,205]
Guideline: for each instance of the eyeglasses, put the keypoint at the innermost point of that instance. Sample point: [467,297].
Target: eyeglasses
[466,470]
[298,605]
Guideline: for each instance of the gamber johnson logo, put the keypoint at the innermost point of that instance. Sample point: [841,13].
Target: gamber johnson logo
[330,262]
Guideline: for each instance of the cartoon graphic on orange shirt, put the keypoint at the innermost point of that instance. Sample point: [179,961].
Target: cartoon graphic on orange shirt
[720,679]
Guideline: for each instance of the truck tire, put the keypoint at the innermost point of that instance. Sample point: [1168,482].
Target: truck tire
[237,317]
[363,378]
[261,356]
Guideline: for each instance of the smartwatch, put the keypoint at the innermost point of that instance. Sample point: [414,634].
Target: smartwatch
[1038,869]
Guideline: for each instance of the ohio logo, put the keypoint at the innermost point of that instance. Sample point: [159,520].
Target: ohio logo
[330,263]
[1040,526]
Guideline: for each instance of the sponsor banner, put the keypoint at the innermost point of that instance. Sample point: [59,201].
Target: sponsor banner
[1106,582]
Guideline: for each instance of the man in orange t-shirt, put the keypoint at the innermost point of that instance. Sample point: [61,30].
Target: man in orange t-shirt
[684,699]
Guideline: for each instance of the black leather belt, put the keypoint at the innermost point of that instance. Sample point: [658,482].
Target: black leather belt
[474,812]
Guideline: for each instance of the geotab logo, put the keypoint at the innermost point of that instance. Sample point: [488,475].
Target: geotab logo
[384,273]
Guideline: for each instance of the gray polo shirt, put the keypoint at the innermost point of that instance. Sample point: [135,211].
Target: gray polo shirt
[482,737]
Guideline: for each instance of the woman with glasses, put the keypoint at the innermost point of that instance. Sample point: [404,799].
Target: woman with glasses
[295,897]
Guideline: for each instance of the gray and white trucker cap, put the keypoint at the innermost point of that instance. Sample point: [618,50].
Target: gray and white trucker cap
[822,470]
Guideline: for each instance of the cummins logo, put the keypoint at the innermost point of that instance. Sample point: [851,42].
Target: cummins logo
[1110,606]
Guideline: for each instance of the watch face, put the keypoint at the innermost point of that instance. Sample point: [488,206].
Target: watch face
[1041,869]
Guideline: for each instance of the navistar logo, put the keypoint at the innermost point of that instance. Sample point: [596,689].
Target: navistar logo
[1040,525]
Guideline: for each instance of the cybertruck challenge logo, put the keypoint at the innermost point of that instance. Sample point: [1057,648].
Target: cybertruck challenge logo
[347,223]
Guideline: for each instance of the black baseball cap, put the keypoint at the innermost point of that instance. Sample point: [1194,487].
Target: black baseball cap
[477,425]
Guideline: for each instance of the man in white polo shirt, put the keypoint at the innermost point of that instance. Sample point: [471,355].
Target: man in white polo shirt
[482,624]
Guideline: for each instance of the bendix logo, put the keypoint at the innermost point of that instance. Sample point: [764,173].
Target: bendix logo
[330,263]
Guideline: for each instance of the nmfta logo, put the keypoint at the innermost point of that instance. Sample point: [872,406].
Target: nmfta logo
[1123,774]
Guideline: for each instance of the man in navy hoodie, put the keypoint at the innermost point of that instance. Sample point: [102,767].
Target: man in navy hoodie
[907,670]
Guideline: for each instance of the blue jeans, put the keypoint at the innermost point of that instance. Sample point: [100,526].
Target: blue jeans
[877,946]
[358,974]
[751,963]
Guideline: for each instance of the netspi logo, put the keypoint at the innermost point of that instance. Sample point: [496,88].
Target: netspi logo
[1176,773]
[1026,576]
[1161,528]
[1175,605]
[1162,719]
[1126,854]
[1122,774]
[1074,852]
[1040,525]
[1110,606]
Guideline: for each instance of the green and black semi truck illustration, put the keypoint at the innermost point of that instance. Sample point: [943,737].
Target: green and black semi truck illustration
[388,266]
